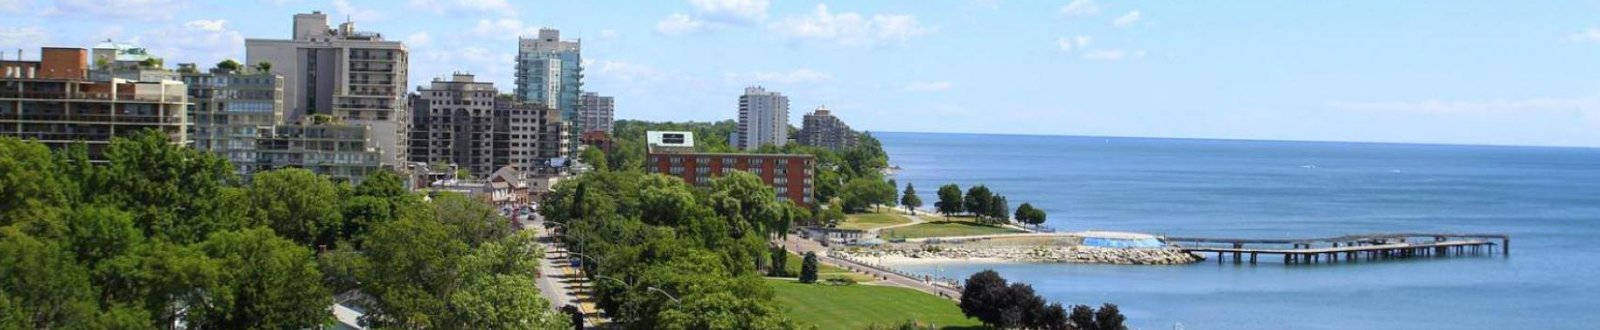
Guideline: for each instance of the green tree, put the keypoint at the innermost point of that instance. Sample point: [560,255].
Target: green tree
[978,201]
[1082,318]
[910,200]
[175,193]
[983,297]
[1108,317]
[413,266]
[266,282]
[862,193]
[999,209]
[596,158]
[950,200]
[808,268]
[299,205]
[42,281]
[263,66]
[97,233]
[163,278]
[780,262]
[1024,213]
[27,181]
[230,65]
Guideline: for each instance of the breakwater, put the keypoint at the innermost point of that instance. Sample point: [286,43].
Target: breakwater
[1045,254]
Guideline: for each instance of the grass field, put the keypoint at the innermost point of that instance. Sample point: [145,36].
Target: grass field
[856,306]
[873,220]
[825,271]
[944,229]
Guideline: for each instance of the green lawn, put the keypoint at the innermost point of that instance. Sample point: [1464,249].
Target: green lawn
[944,229]
[856,306]
[826,271]
[873,220]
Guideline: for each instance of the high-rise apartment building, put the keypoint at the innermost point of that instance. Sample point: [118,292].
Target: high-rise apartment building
[597,112]
[53,101]
[550,73]
[228,110]
[464,122]
[821,129]
[453,122]
[357,77]
[763,118]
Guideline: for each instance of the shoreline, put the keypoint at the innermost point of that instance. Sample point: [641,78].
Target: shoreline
[1038,254]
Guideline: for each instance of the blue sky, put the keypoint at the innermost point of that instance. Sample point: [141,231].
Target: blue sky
[1473,72]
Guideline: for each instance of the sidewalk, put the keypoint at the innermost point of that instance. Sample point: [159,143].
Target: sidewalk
[561,284]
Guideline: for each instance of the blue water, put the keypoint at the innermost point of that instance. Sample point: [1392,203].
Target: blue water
[1547,199]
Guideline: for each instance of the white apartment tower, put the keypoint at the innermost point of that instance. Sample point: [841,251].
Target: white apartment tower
[763,118]
[357,78]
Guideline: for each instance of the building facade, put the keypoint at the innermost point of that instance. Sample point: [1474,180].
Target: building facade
[597,112]
[53,101]
[550,73]
[453,122]
[466,123]
[356,77]
[321,144]
[821,129]
[789,175]
[763,119]
[228,110]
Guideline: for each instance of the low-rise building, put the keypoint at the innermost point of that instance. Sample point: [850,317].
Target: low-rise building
[53,101]
[323,145]
[672,153]
[229,110]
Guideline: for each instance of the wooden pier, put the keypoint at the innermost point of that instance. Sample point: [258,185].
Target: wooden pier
[1348,248]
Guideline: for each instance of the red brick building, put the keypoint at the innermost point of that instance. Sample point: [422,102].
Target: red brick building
[790,175]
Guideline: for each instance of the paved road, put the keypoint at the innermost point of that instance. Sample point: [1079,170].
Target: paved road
[559,283]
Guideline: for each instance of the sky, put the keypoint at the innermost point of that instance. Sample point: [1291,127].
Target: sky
[1458,72]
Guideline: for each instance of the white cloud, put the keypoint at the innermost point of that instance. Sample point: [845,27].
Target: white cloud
[1080,8]
[419,39]
[14,5]
[1590,35]
[505,28]
[202,42]
[851,29]
[680,24]
[149,10]
[207,25]
[1127,19]
[465,6]
[928,86]
[731,11]
[343,8]
[12,38]
[627,71]
[791,77]
[1112,54]
[1076,42]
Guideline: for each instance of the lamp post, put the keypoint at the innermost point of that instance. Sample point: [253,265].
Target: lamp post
[664,293]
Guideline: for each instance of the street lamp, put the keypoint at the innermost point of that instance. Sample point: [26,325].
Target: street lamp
[664,293]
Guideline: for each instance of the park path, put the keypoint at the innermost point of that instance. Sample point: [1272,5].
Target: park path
[801,246]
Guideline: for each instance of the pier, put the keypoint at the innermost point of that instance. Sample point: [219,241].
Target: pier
[1349,248]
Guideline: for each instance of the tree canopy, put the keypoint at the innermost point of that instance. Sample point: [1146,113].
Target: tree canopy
[162,234]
